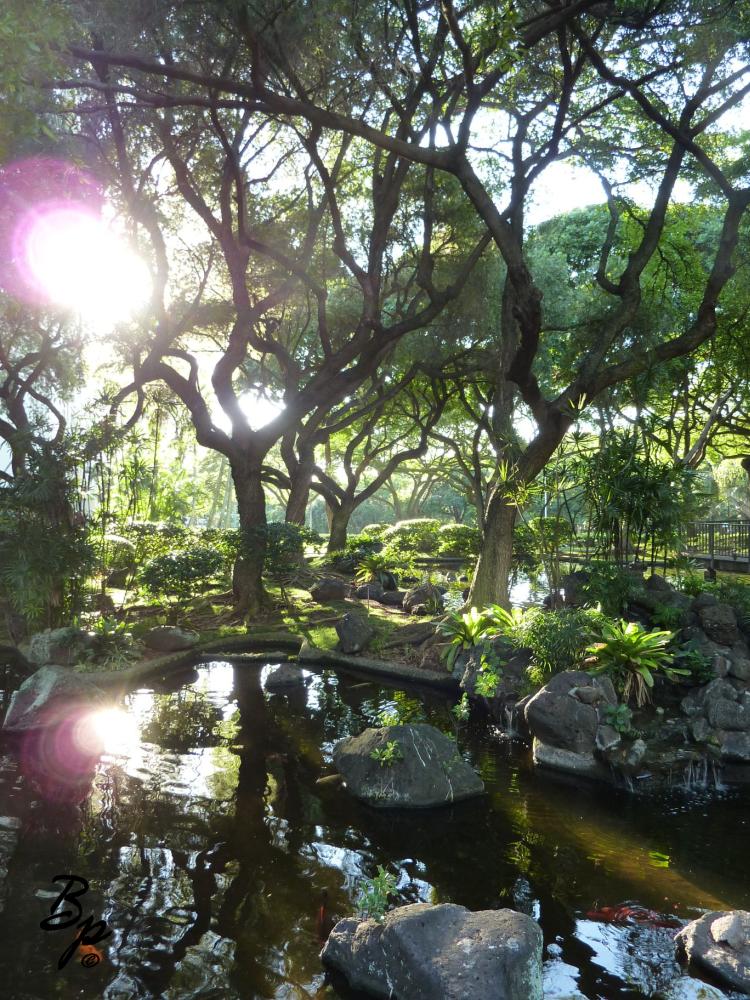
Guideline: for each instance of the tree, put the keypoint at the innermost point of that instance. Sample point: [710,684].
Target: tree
[317,252]
[641,93]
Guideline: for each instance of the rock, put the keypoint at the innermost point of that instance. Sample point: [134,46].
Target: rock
[286,675]
[574,588]
[687,988]
[427,595]
[628,758]
[589,694]
[740,669]
[716,690]
[607,738]
[370,592]
[48,696]
[330,588]
[427,769]
[700,730]
[559,720]
[170,638]
[62,647]
[433,657]
[442,952]
[719,943]
[392,598]
[719,622]
[658,584]
[724,714]
[354,632]
[704,600]
[567,760]
[735,748]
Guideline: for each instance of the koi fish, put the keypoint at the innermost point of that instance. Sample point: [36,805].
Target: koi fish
[90,949]
[632,913]
[324,922]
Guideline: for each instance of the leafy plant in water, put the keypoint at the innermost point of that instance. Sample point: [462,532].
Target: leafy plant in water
[461,709]
[388,755]
[374,893]
[696,663]
[632,655]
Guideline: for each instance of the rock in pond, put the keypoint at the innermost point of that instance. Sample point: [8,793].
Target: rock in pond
[62,647]
[442,952]
[413,766]
[286,675]
[719,943]
[170,638]
[47,696]
[330,588]
[354,632]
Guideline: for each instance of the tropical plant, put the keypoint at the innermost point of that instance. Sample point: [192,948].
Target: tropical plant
[667,616]
[620,717]
[459,540]
[461,709]
[373,568]
[631,655]
[696,662]
[465,629]
[374,893]
[558,640]
[421,534]
[610,586]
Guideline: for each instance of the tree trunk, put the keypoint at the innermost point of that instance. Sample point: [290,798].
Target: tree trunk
[492,575]
[296,505]
[339,528]
[247,578]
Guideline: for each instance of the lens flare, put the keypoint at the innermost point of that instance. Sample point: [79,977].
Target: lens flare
[106,730]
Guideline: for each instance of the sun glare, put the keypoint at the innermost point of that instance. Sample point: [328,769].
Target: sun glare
[76,261]
[107,730]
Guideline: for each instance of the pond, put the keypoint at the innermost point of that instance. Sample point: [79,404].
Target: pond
[209,845]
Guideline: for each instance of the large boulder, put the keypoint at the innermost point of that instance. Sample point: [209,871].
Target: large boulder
[427,595]
[443,952]
[354,632]
[735,748]
[62,647]
[392,598]
[719,622]
[719,943]
[170,638]
[47,697]
[370,592]
[574,587]
[330,588]
[560,719]
[422,768]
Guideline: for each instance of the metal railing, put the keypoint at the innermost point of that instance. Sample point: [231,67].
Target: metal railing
[718,539]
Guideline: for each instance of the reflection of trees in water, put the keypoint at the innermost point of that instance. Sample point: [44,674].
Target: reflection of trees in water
[182,720]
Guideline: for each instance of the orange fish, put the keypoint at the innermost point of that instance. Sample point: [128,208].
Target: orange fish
[626,913]
[90,949]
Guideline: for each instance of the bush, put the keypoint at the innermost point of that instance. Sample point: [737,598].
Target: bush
[459,540]
[374,530]
[418,535]
[631,655]
[558,640]
[611,587]
[181,572]
[363,544]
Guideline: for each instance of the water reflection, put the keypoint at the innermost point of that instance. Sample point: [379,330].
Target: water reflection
[209,846]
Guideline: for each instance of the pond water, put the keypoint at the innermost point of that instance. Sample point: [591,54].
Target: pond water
[208,846]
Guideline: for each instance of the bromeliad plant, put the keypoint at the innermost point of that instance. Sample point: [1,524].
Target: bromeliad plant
[632,655]
[465,630]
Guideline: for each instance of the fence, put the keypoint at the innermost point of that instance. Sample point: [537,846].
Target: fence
[719,540]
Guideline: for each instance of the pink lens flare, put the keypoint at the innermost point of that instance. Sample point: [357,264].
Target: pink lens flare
[35,195]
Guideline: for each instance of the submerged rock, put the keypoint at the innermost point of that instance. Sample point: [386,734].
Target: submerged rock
[414,767]
[286,675]
[443,952]
[47,696]
[170,638]
[719,943]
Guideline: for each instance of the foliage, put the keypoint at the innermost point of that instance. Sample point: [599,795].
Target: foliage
[181,573]
[374,530]
[462,709]
[373,569]
[631,655]
[459,540]
[374,893]
[184,720]
[667,616]
[388,755]
[421,534]
[610,586]
[620,717]
[696,663]
[558,639]
[465,629]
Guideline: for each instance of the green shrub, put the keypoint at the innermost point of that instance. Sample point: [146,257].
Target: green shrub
[459,540]
[375,530]
[374,893]
[611,587]
[558,640]
[181,573]
[418,535]
[631,655]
